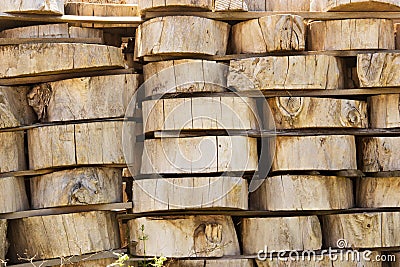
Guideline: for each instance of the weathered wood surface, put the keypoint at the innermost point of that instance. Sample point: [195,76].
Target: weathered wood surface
[377,154]
[355,5]
[278,5]
[385,111]
[280,233]
[3,239]
[208,37]
[80,186]
[190,5]
[84,98]
[286,72]
[189,75]
[334,152]
[56,236]
[351,34]
[87,263]
[378,69]
[269,34]
[363,230]
[199,155]
[12,153]
[46,7]
[309,112]
[76,144]
[45,59]
[303,192]
[378,192]
[212,263]
[188,236]
[13,197]
[397,29]
[202,113]
[190,193]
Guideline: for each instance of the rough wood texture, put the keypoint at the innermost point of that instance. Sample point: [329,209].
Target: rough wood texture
[269,34]
[190,193]
[385,111]
[334,152]
[46,7]
[377,154]
[44,59]
[351,34]
[190,75]
[378,69]
[87,263]
[212,263]
[208,37]
[192,5]
[363,230]
[378,192]
[355,5]
[80,186]
[303,192]
[3,239]
[79,144]
[286,72]
[84,98]
[308,112]
[278,5]
[203,113]
[14,196]
[63,235]
[281,233]
[199,155]
[397,29]
[12,154]
[189,236]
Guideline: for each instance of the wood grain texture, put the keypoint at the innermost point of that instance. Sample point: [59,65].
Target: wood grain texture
[208,37]
[378,69]
[378,192]
[269,34]
[80,186]
[88,263]
[281,233]
[354,5]
[351,34]
[286,72]
[303,192]
[334,152]
[199,155]
[42,7]
[278,5]
[14,196]
[84,98]
[385,111]
[192,5]
[63,235]
[12,153]
[3,239]
[189,75]
[309,112]
[377,154]
[184,236]
[212,263]
[190,193]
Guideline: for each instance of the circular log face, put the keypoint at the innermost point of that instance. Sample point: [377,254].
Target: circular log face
[378,69]
[379,154]
[351,34]
[378,192]
[15,198]
[12,153]
[384,111]
[351,5]
[47,7]
[188,236]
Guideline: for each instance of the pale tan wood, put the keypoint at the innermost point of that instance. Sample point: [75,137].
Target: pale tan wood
[41,59]
[309,112]
[355,5]
[377,154]
[384,111]
[133,152]
[199,155]
[363,230]
[56,236]
[116,2]
[84,98]
[351,34]
[80,186]
[378,69]
[189,75]
[208,37]
[171,5]
[303,192]
[45,7]
[184,236]
[3,239]
[334,152]
[12,154]
[14,196]
[269,34]
[280,233]
[211,263]
[190,193]
[230,5]
[87,263]
[378,192]
[286,72]
[278,5]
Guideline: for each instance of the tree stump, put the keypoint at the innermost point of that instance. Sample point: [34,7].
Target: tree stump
[45,7]
[207,154]
[269,34]
[190,193]
[184,236]
[64,235]
[202,113]
[303,192]
[281,233]
[278,5]
[385,111]
[378,69]
[358,5]
[286,72]
[14,195]
[379,154]
[334,152]
[351,34]
[12,153]
[378,192]
[80,186]
[208,37]
[310,112]
[84,98]
[3,239]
